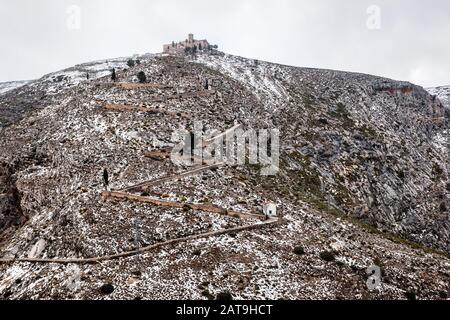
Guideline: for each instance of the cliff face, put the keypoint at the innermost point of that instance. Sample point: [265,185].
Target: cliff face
[443,94]
[379,147]
[363,170]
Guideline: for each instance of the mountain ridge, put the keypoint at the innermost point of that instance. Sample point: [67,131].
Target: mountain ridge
[354,149]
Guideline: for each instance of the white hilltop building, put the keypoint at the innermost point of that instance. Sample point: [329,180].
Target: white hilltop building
[270,209]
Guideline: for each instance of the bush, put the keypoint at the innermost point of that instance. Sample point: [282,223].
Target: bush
[437,172]
[142,77]
[299,250]
[224,296]
[411,295]
[113,75]
[328,256]
[107,288]
[131,63]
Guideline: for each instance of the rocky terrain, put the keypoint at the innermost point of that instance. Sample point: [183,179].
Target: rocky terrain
[16,100]
[8,86]
[363,181]
[443,93]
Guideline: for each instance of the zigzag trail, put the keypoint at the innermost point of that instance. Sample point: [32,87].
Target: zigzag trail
[186,174]
[174,204]
[122,194]
[145,249]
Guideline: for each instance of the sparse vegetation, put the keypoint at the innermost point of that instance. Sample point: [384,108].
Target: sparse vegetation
[340,112]
[332,183]
[299,250]
[411,295]
[224,296]
[107,289]
[437,172]
[328,256]
[142,77]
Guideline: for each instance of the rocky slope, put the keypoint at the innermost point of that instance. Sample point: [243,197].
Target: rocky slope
[8,86]
[443,93]
[17,99]
[363,181]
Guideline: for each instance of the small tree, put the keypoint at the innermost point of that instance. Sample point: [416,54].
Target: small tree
[138,61]
[142,77]
[131,63]
[113,75]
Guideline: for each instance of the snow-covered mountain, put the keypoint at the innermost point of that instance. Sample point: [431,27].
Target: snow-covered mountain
[61,80]
[19,97]
[443,93]
[363,181]
[8,86]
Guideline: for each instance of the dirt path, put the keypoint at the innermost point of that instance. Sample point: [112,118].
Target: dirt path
[174,204]
[145,249]
[128,108]
[159,181]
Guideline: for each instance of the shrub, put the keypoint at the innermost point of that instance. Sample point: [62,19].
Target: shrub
[328,256]
[299,250]
[142,77]
[224,296]
[411,295]
[131,63]
[107,288]
[437,172]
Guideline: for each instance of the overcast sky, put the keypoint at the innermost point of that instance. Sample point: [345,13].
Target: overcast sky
[400,39]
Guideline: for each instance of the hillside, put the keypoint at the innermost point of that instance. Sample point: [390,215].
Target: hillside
[8,86]
[363,181]
[443,93]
